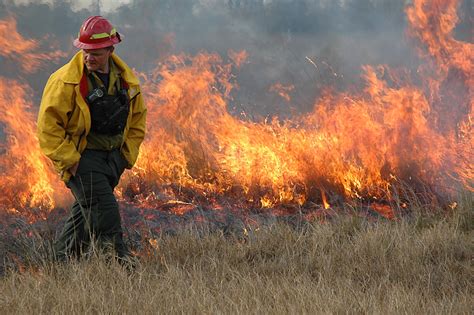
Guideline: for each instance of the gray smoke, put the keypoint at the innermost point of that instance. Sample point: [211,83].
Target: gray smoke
[308,43]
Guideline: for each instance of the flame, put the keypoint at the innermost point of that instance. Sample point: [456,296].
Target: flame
[354,145]
[282,90]
[384,210]
[359,146]
[28,180]
[326,204]
[363,146]
[448,72]
[238,57]
[451,85]
[21,50]
[266,202]
[154,243]
[432,22]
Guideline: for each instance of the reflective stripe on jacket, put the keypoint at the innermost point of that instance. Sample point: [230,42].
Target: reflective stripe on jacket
[64,119]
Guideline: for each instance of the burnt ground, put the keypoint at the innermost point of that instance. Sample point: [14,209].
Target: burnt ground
[27,240]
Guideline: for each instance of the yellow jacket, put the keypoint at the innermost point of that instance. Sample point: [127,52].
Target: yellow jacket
[64,119]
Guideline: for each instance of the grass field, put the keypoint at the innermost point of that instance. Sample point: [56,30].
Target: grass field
[420,264]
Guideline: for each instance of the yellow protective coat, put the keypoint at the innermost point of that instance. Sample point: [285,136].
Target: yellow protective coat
[64,119]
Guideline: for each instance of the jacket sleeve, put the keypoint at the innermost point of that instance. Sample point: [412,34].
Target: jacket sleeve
[53,117]
[136,131]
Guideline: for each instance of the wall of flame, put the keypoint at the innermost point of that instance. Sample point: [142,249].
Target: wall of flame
[362,145]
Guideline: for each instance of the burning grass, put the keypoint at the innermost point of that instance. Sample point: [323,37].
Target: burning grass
[397,127]
[419,264]
[352,206]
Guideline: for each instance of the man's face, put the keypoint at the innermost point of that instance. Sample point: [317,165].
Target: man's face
[97,59]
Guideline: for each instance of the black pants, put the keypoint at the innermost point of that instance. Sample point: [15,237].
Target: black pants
[95,213]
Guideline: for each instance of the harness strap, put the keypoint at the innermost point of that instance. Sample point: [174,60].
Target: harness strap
[84,89]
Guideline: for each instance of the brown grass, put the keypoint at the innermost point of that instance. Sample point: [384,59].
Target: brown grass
[421,264]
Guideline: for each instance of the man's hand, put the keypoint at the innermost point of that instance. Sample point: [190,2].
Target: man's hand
[73,169]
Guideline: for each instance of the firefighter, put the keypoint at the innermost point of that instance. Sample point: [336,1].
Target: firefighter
[91,123]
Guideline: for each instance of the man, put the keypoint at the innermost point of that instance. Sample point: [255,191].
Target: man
[91,123]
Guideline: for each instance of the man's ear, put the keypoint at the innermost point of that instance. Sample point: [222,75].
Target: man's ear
[112,48]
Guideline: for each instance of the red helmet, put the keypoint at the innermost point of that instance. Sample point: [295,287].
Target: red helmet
[96,32]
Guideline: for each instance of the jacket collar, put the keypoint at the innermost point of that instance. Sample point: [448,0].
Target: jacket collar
[74,70]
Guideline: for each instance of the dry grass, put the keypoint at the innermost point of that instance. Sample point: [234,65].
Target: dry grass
[417,265]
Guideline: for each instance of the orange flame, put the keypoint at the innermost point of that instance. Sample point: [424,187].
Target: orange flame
[432,22]
[282,90]
[21,50]
[354,145]
[28,180]
[359,146]
[326,204]
[238,57]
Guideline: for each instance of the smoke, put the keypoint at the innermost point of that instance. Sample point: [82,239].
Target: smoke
[299,53]
[284,41]
[104,5]
[306,44]
[310,44]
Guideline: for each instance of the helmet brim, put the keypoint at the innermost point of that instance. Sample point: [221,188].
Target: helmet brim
[110,42]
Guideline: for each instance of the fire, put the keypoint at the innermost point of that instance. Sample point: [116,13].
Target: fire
[154,243]
[432,22]
[326,204]
[21,50]
[365,146]
[360,146]
[384,210]
[238,57]
[352,145]
[27,179]
[282,90]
